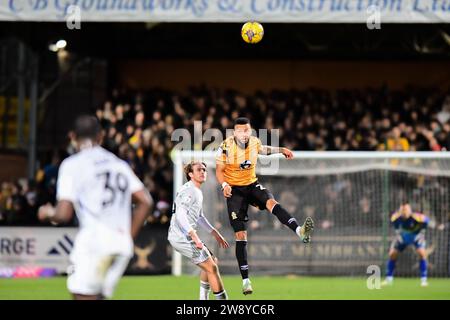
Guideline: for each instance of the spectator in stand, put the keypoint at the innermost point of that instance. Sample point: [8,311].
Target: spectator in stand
[138,125]
[396,142]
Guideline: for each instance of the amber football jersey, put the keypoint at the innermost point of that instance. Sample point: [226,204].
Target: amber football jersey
[240,163]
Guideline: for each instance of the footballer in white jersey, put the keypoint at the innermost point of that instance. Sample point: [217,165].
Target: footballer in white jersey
[187,215]
[100,188]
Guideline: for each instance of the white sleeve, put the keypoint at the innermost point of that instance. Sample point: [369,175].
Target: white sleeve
[134,182]
[65,186]
[204,223]
[182,219]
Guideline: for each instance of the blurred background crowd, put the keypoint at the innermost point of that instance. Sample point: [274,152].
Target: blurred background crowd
[138,128]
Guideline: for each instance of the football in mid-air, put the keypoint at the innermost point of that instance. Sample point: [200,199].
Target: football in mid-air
[252,32]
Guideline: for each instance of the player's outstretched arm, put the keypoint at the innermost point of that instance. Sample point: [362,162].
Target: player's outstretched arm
[204,223]
[196,239]
[144,204]
[268,150]
[223,243]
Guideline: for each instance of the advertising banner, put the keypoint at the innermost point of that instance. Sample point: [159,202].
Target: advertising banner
[310,11]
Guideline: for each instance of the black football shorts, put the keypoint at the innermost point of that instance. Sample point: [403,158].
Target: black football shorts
[254,194]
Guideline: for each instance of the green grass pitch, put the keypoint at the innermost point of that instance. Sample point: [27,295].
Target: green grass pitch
[265,288]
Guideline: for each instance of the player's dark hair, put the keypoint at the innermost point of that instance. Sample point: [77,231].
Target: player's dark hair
[404,200]
[190,168]
[241,120]
[87,127]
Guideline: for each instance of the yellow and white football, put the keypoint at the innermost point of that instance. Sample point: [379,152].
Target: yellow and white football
[252,32]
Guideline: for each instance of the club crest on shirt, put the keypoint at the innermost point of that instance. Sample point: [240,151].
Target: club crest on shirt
[245,165]
[186,199]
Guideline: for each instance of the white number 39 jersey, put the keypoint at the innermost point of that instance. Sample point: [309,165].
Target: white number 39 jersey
[100,186]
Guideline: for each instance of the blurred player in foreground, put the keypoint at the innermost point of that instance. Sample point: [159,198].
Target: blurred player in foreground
[236,172]
[410,230]
[187,215]
[100,188]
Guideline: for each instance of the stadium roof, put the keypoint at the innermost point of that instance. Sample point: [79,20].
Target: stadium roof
[222,40]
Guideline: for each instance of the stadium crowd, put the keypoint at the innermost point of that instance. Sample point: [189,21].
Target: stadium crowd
[138,127]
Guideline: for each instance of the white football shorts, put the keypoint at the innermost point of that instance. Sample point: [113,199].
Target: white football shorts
[190,251]
[96,274]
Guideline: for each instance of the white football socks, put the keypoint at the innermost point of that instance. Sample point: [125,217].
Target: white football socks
[204,290]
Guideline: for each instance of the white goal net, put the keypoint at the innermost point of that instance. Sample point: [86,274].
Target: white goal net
[350,195]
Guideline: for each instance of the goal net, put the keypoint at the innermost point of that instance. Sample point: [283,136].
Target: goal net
[350,196]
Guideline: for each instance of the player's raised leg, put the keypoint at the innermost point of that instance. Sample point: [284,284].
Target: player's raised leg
[304,231]
[423,266]
[390,267]
[210,268]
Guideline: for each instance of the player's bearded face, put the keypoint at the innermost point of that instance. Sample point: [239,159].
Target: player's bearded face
[242,132]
